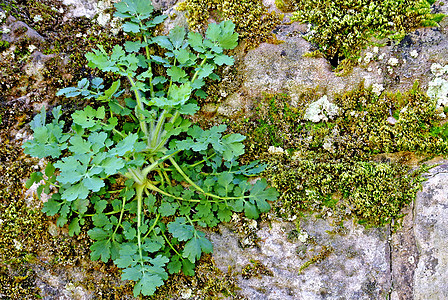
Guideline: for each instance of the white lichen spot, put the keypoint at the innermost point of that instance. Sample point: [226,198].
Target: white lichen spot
[186,294]
[328,145]
[381,57]
[377,88]
[438,70]
[276,150]
[37,18]
[368,57]
[17,244]
[321,110]
[414,53]
[2,16]
[369,69]
[31,48]
[252,224]
[103,19]
[392,61]
[438,90]
[389,69]
[411,259]
[5,30]
[375,49]
[379,71]
[292,218]
[303,236]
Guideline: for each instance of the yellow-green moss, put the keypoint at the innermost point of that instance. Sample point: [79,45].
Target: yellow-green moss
[333,166]
[253,22]
[208,283]
[341,28]
[374,193]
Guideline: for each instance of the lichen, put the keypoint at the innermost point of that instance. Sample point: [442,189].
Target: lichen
[253,23]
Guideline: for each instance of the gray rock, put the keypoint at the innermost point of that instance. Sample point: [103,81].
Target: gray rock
[431,235]
[351,265]
[81,8]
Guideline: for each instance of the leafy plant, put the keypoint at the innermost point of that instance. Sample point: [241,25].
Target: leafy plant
[145,176]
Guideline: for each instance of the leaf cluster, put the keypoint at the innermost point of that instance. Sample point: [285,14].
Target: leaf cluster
[141,173]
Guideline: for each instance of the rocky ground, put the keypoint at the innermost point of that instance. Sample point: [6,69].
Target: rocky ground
[311,254]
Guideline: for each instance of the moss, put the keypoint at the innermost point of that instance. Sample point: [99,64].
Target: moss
[253,22]
[208,283]
[374,193]
[366,124]
[335,166]
[323,254]
[255,269]
[342,28]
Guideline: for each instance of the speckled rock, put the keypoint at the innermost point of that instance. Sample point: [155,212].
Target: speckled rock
[350,262]
[431,235]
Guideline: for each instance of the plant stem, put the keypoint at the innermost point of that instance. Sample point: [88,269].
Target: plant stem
[139,190]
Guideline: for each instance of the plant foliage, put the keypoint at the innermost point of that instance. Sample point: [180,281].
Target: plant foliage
[145,176]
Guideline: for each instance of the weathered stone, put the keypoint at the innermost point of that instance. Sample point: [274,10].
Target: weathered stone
[431,234]
[350,264]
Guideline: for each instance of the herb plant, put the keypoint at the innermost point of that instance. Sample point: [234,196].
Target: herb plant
[144,175]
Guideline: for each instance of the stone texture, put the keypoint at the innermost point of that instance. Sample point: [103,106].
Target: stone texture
[354,262]
[431,235]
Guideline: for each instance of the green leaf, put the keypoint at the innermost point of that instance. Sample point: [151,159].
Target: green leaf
[174,266]
[34,178]
[188,267]
[86,117]
[73,227]
[229,38]
[125,145]
[100,249]
[147,285]
[213,32]
[111,165]
[205,71]
[233,146]
[177,35]
[195,41]
[49,170]
[194,247]
[93,183]
[177,74]
[98,234]
[77,191]
[250,210]
[100,219]
[151,246]
[167,209]
[51,207]
[110,92]
[181,231]
[163,42]
[79,145]
[131,27]
[223,59]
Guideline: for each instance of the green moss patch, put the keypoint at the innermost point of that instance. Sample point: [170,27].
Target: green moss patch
[342,28]
[334,166]
[253,23]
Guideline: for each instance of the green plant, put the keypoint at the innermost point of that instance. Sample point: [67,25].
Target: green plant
[143,174]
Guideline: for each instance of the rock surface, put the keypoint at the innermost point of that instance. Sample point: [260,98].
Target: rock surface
[313,258]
